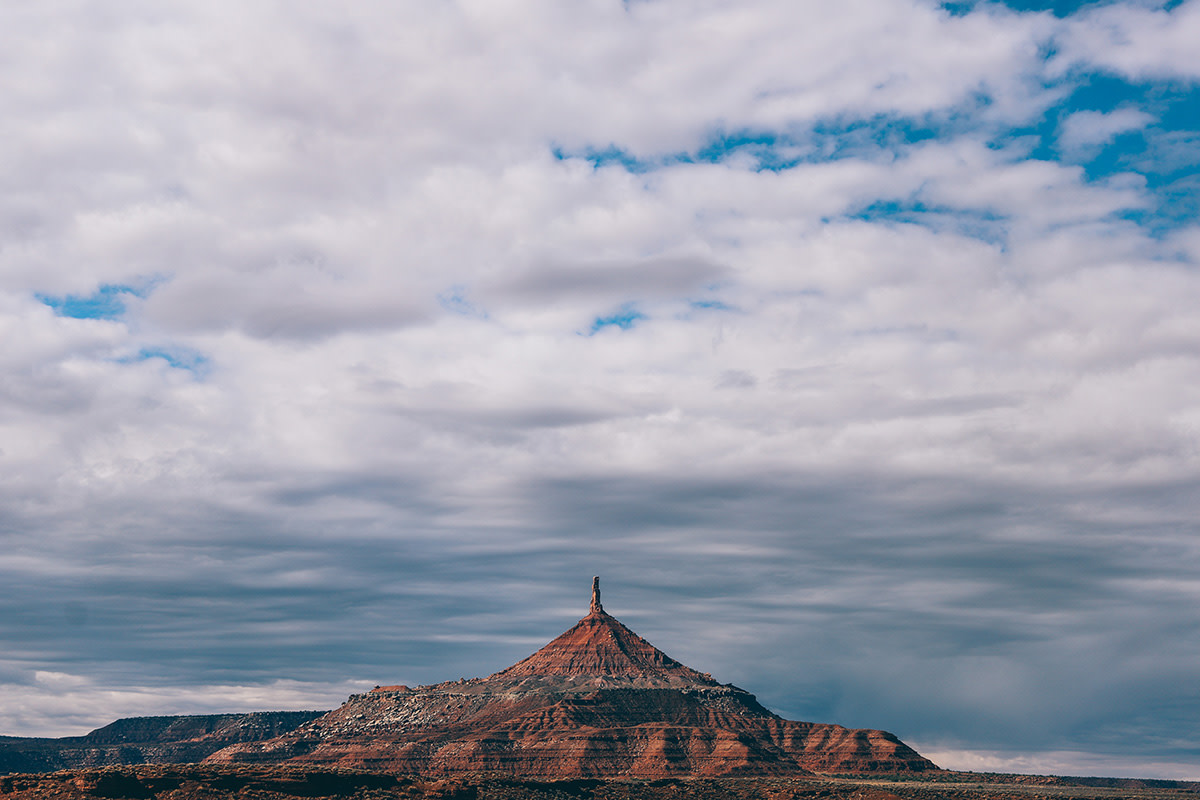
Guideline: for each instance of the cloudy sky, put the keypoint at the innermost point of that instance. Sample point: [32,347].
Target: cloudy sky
[855,345]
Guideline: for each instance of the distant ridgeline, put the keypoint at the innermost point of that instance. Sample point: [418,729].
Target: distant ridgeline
[147,740]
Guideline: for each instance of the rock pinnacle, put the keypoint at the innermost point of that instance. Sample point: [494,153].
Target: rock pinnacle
[596,607]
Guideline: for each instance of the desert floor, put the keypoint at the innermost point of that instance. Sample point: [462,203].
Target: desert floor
[198,782]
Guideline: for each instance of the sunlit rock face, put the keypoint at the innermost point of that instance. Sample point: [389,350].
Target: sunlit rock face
[598,701]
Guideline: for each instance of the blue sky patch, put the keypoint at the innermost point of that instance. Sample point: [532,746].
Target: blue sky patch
[1160,141]
[107,302]
[770,151]
[1059,8]
[625,318]
[1103,123]
[980,224]
[609,156]
[455,301]
[1105,92]
[183,358]
[709,305]
[846,138]
[776,151]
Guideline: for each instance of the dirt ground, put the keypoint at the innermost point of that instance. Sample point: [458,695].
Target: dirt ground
[195,782]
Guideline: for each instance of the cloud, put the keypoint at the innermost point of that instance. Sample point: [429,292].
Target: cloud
[1139,41]
[663,277]
[1087,130]
[346,345]
[288,303]
[74,702]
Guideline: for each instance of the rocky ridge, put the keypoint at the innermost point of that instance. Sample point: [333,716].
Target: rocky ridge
[597,701]
[141,740]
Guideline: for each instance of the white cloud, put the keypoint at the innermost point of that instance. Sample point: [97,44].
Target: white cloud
[1136,41]
[1084,130]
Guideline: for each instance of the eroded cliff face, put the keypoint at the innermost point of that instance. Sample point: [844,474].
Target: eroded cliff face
[598,701]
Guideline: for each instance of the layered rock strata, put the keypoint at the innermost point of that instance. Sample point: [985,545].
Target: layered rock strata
[598,701]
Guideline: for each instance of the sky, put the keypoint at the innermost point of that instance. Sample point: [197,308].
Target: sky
[854,345]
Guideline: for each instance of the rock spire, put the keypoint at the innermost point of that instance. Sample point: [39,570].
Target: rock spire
[599,646]
[596,607]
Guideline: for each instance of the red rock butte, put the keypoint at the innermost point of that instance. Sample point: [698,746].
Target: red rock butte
[599,645]
[598,701]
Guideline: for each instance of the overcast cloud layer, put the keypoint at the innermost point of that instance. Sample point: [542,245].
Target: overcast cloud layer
[854,344]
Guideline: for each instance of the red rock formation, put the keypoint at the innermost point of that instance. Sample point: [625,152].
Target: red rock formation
[599,645]
[598,701]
